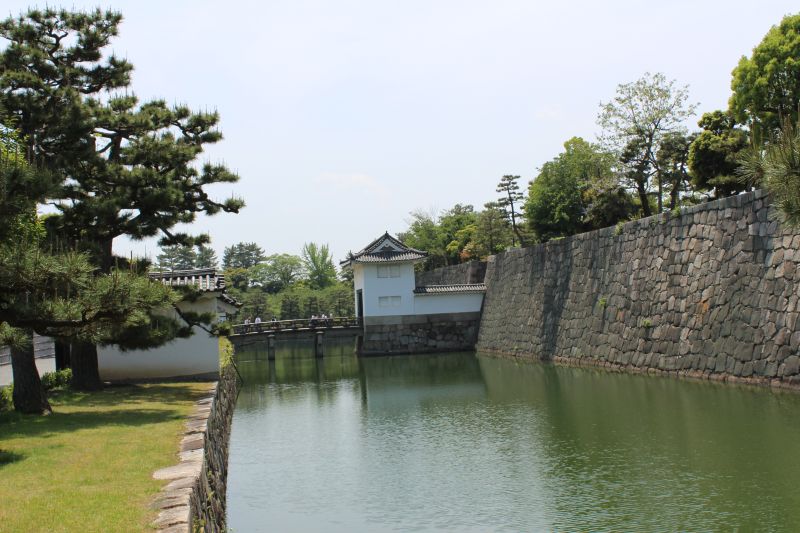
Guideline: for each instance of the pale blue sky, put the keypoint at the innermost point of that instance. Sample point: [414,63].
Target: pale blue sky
[342,117]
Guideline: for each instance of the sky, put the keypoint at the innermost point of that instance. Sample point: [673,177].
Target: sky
[342,117]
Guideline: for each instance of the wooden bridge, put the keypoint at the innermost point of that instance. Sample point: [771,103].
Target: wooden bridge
[315,328]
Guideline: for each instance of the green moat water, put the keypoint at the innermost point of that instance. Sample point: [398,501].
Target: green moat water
[462,442]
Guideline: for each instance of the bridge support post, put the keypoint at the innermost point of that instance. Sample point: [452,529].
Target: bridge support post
[318,344]
[271,347]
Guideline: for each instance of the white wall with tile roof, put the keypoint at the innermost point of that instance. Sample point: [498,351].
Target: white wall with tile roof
[374,288]
[436,303]
[198,354]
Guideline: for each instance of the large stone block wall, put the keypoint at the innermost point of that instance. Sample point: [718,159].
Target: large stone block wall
[712,293]
[471,272]
[419,333]
[194,499]
[208,498]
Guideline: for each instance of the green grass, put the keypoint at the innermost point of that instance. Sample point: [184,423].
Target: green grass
[87,467]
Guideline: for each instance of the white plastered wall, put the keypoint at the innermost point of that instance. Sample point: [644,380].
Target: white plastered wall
[198,354]
[375,287]
[432,304]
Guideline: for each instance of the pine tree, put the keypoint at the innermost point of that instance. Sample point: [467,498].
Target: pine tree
[49,290]
[206,257]
[125,168]
[242,255]
[176,257]
[318,265]
[510,199]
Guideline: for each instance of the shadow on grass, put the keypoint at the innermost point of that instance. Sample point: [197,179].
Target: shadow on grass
[9,457]
[127,394]
[112,406]
[15,425]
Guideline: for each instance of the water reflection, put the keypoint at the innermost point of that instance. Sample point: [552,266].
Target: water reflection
[469,443]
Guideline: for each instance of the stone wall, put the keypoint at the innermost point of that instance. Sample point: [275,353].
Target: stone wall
[209,495]
[195,498]
[419,333]
[711,293]
[471,272]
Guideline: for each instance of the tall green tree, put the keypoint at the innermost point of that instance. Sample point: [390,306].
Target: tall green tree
[766,86]
[673,165]
[554,207]
[456,228]
[243,255]
[206,257]
[424,233]
[318,265]
[443,236]
[277,272]
[493,232]
[511,199]
[574,192]
[176,257]
[634,124]
[715,152]
[126,169]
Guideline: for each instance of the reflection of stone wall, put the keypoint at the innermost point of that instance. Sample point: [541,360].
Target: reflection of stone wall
[420,333]
[711,293]
[472,272]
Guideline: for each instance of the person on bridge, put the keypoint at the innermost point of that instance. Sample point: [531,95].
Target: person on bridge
[258,320]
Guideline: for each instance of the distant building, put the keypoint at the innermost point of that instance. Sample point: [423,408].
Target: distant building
[197,355]
[401,317]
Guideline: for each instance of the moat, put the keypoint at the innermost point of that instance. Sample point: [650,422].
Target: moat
[466,442]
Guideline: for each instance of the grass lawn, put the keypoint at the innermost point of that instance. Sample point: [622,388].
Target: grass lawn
[87,466]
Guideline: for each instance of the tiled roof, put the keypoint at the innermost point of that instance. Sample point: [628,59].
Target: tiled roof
[205,279]
[441,289]
[384,249]
[389,257]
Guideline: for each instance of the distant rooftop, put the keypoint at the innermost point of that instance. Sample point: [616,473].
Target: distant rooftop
[385,249]
[205,279]
[460,288]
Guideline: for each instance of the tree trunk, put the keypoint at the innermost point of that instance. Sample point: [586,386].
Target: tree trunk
[640,188]
[29,395]
[660,192]
[62,354]
[106,255]
[85,372]
[673,196]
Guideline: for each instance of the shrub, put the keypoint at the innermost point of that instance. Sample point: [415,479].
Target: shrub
[6,402]
[603,301]
[647,323]
[619,227]
[224,329]
[226,352]
[57,380]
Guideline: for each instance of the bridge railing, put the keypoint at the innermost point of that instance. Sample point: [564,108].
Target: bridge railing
[296,324]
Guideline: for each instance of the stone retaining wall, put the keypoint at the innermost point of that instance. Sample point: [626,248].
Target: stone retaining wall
[711,293]
[194,500]
[471,272]
[419,333]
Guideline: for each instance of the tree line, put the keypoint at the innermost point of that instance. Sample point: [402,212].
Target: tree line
[645,161]
[281,286]
[286,286]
